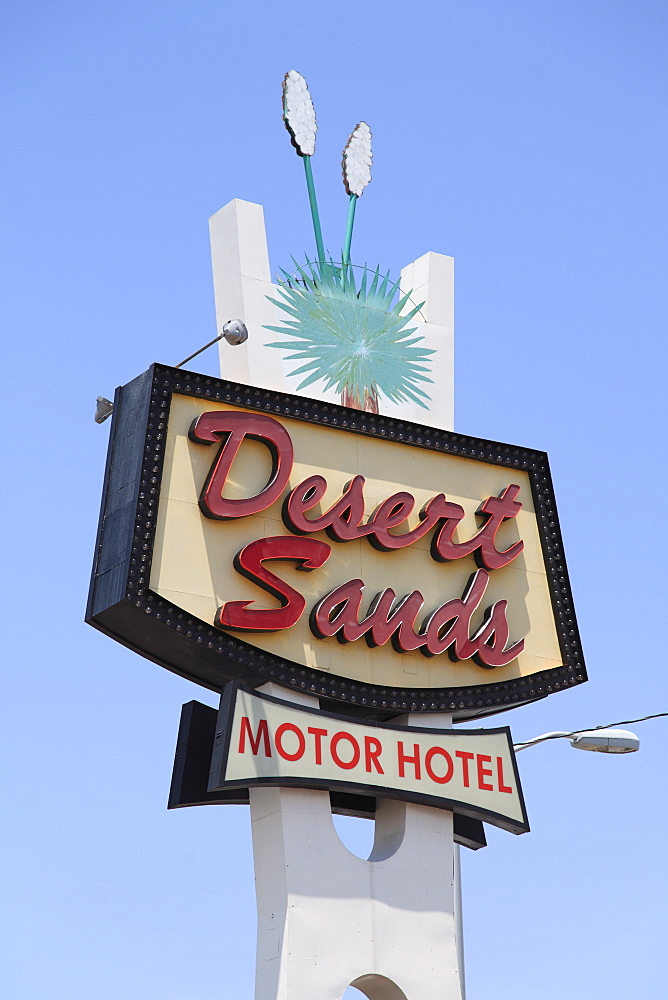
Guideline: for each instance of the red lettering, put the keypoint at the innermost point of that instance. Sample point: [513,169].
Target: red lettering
[288,727]
[492,636]
[334,750]
[318,735]
[484,772]
[404,759]
[443,546]
[465,757]
[343,521]
[232,428]
[308,553]
[262,734]
[457,615]
[396,621]
[499,774]
[303,498]
[390,514]
[447,628]
[337,614]
[372,751]
[429,756]
[387,515]
[337,610]
[495,510]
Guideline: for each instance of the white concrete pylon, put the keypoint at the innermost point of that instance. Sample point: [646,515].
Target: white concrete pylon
[328,919]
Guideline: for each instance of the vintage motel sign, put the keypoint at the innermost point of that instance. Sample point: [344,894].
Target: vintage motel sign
[383,566]
[373,577]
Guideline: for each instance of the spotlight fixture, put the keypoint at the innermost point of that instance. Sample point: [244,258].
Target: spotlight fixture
[235,332]
[103,409]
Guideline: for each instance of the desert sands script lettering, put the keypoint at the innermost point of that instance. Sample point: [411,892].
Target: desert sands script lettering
[339,613]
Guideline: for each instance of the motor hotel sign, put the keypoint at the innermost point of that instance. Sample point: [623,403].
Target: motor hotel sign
[251,535]
[262,740]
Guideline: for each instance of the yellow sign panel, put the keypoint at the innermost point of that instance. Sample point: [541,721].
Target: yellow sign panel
[461,609]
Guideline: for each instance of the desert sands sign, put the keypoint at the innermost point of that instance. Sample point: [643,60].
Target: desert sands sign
[339,613]
[251,535]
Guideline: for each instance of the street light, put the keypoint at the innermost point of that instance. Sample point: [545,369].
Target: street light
[599,740]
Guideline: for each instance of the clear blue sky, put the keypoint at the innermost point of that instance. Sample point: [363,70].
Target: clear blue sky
[528,141]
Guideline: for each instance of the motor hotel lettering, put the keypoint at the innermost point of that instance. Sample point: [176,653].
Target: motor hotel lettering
[264,740]
[360,556]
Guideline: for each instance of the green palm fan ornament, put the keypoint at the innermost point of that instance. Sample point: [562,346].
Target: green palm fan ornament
[347,329]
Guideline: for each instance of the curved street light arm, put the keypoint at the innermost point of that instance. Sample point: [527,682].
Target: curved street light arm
[539,739]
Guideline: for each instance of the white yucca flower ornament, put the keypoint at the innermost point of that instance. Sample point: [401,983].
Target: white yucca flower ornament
[356,175]
[357,160]
[299,118]
[299,113]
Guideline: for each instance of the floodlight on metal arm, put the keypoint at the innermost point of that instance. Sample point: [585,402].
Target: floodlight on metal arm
[234,332]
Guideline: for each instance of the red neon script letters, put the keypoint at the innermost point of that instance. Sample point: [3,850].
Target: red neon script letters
[339,612]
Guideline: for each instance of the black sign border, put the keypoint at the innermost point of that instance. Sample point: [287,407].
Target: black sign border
[121,604]
[221,752]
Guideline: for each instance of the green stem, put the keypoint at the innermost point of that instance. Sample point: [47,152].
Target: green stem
[314,208]
[349,230]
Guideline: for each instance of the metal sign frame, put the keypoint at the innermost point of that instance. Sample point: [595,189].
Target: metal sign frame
[122,606]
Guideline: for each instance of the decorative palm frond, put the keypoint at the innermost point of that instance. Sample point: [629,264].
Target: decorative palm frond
[353,338]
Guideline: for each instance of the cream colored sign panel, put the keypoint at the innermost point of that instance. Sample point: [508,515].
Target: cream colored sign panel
[193,557]
[264,741]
